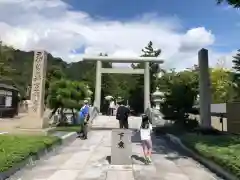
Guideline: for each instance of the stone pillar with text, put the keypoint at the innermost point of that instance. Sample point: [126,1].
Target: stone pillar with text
[146,86]
[35,119]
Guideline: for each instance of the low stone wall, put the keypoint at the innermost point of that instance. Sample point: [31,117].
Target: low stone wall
[215,121]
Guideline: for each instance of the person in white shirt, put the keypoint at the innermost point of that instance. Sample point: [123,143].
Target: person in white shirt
[111,107]
[145,133]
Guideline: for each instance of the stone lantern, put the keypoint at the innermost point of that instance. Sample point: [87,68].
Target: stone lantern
[157,97]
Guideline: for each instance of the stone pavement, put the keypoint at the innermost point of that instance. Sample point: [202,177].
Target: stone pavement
[89,160]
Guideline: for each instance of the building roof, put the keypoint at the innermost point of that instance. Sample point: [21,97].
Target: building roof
[10,87]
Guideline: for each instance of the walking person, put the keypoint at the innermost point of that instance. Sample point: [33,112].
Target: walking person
[83,117]
[111,107]
[122,116]
[145,133]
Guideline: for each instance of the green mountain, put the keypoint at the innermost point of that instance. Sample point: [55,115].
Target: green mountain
[22,62]
[112,84]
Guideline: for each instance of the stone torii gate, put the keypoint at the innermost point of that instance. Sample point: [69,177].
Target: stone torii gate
[100,71]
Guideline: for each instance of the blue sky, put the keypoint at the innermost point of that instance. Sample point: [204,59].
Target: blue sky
[71,29]
[222,20]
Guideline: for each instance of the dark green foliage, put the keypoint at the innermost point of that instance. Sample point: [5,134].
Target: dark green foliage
[66,94]
[234,3]
[236,61]
[181,89]
[236,75]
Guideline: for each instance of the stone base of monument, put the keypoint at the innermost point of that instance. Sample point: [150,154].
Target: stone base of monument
[45,131]
[121,149]
[14,128]
[32,125]
[26,123]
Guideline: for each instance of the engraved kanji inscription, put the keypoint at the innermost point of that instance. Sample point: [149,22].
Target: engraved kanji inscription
[38,69]
[36,87]
[121,143]
[39,57]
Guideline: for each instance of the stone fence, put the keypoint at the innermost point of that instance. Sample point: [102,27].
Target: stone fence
[215,122]
[229,112]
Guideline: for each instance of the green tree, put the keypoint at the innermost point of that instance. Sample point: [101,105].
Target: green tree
[236,61]
[6,55]
[234,3]
[65,94]
[236,75]
[54,74]
[181,89]
[221,85]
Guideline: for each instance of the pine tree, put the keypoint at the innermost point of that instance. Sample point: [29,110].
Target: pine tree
[149,51]
[236,75]
[236,61]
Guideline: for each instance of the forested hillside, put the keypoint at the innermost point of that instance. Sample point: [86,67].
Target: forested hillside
[112,84]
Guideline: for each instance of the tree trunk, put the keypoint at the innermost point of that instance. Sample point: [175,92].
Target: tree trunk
[74,117]
[53,112]
[62,118]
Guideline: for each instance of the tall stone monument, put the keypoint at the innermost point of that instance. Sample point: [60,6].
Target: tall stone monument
[34,119]
[204,88]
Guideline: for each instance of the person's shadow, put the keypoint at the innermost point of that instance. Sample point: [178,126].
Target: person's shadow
[138,158]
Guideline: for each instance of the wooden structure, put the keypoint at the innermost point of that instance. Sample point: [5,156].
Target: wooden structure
[8,101]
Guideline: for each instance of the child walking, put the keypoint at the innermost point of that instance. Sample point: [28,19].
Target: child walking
[145,133]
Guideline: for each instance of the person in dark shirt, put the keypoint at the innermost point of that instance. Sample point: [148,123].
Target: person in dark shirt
[122,115]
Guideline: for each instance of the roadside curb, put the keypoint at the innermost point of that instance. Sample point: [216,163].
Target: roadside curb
[215,168]
[64,140]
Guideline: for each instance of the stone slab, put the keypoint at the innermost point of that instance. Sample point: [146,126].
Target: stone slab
[121,155]
[65,174]
[120,175]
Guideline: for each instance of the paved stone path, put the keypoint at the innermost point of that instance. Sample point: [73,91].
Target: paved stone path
[87,160]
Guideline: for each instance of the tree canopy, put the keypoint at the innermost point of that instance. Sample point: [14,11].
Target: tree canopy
[234,3]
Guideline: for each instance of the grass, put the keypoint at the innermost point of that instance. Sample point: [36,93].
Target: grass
[14,149]
[223,150]
[74,128]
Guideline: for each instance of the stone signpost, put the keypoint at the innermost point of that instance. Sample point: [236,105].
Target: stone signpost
[121,151]
[34,119]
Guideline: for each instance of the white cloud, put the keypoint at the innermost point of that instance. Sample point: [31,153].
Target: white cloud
[55,27]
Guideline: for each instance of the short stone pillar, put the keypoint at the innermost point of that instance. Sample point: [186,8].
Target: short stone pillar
[121,149]
[35,119]
[205,88]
